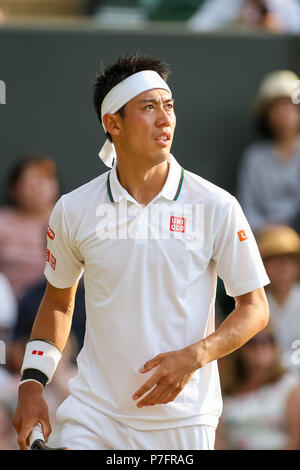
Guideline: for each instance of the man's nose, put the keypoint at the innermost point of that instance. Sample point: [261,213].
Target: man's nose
[163,117]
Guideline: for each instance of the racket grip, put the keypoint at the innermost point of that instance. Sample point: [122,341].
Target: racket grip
[36,434]
[37,440]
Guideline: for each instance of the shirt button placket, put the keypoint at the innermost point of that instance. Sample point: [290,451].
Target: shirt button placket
[141,233]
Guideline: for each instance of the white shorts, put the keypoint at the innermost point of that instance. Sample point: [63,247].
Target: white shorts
[113,435]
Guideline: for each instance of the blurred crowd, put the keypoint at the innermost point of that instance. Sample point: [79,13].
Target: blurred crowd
[261,380]
[32,188]
[275,16]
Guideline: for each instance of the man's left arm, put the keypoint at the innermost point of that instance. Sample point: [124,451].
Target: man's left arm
[176,368]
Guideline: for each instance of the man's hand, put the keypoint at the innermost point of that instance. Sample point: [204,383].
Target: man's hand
[31,409]
[175,370]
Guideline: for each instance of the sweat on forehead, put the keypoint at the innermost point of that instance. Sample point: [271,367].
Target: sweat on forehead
[130,88]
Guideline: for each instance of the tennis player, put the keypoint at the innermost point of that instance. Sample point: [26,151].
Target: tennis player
[150,239]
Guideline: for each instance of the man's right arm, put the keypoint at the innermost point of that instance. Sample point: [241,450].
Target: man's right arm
[52,324]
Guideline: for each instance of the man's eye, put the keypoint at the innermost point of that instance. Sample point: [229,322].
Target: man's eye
[149,106]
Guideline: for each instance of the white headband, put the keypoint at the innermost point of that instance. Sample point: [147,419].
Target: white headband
[119,95]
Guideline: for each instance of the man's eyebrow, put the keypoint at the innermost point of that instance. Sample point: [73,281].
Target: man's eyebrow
[153,100]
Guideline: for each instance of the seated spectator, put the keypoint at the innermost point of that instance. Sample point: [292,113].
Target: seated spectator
[8,314]
[276,16]
[32,190]
[27,309]
[8,382]
[280,250]
[261,399]
[268,180]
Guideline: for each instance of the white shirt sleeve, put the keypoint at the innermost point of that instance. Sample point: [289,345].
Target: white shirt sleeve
[64,265]
[238,261]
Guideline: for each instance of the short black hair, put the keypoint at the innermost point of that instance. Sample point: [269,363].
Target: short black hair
[125,66]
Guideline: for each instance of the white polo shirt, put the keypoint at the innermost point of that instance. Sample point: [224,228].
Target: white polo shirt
[150,276]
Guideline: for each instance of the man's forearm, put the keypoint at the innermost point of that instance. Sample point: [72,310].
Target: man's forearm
[54,318]
[52,325]
[247,319]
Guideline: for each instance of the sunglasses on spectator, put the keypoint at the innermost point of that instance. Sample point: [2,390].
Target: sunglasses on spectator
[262,340]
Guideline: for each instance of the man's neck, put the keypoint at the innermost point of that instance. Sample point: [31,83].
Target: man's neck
[142,182]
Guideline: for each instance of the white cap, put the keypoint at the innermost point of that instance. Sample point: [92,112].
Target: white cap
[277,84]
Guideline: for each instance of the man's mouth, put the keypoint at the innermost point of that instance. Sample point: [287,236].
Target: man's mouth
[163,138]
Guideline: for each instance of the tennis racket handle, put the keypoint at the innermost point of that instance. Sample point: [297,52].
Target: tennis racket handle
[36,434]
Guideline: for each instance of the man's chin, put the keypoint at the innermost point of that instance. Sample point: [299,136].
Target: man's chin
[163,157]
[157,157]
[163,154]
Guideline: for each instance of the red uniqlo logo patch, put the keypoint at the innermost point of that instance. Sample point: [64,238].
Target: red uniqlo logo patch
[38,353]
[177,224]
[50,233]
[47,255]
[242,235]
[53,262]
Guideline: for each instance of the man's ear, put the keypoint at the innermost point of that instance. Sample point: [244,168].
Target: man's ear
[111,123]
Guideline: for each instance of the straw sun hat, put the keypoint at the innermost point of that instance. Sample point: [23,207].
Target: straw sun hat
[277,84]
[279,240]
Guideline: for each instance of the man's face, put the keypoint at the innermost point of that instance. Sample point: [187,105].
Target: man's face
[147,126]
